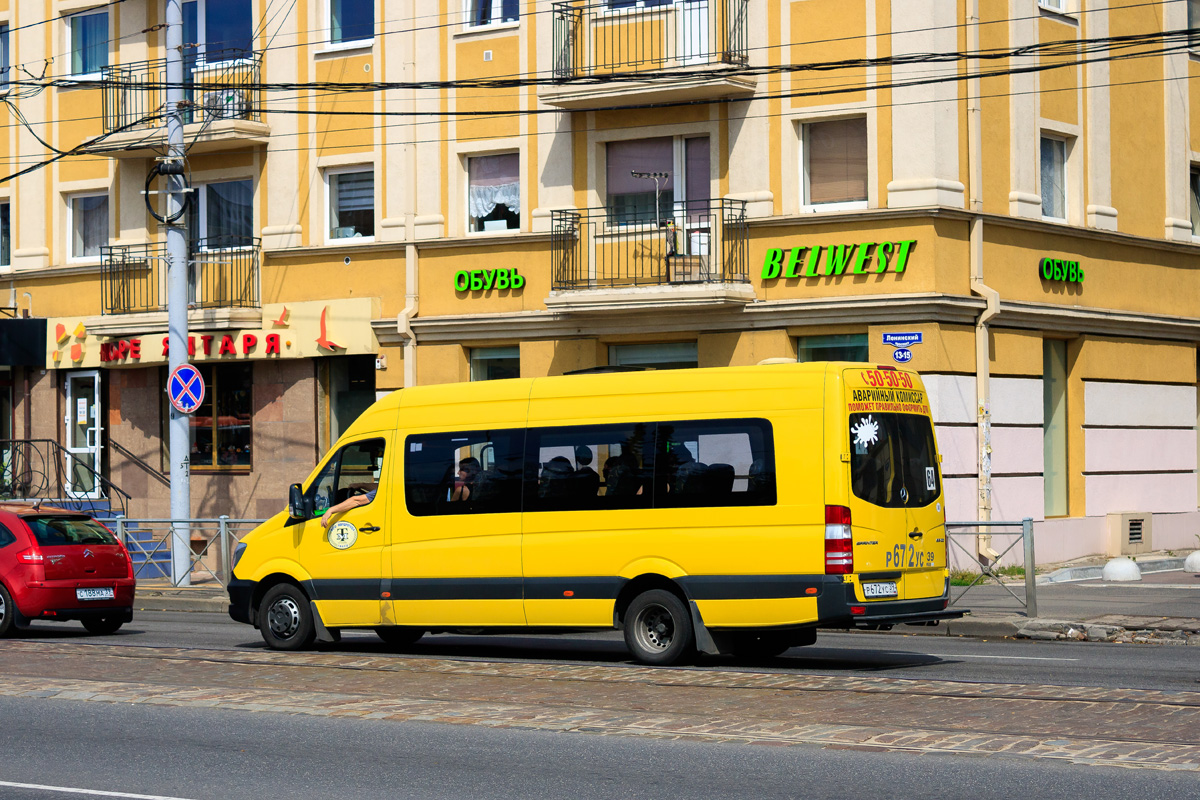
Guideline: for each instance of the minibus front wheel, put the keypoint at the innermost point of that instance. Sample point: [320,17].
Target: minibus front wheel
[285,619]
[658,629]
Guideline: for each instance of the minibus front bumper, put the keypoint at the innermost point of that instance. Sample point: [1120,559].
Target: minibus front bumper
[240,594]
[838,607]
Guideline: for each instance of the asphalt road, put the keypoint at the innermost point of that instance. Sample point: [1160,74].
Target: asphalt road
[197,753]
[857,654]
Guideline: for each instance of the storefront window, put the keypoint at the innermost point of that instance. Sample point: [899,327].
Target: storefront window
[494,363]
[833,347]
[351,390]
[220,428]
[666,355]
[1054,425]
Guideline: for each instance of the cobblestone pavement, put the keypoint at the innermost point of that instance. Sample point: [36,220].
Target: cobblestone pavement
[1087,725]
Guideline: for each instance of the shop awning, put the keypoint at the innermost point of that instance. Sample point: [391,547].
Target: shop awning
[23,342]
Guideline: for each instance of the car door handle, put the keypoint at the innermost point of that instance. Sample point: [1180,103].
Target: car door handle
[916,535]
[369,528]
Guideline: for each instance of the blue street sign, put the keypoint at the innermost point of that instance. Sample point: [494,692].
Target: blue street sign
[903,339]
[902,354]
[185,388]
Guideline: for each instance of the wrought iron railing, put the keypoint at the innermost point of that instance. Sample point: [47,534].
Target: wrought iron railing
[222,273]
[217,85]
[621,36]
[696,241]
[42,469]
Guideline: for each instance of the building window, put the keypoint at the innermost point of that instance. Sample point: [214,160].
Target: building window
[220,427]
[1054,425]
[351,204]
[217,30]
[351,20]
[494,192]
[495,363]
[349,391]
[1054,178]
[492,12]
[833,347]
[1193,22]
[89,42]
[1194,191]
[667,355]
[835,163]
[88,223]
[223,215]
[5,55]
[1053,5]
[5,236]
[640,179]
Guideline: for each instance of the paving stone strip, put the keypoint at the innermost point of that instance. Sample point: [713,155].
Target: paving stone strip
[694,727]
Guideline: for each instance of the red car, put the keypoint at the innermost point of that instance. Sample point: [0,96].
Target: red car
[61,565]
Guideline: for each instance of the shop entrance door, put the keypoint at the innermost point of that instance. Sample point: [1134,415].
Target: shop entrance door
[83,434]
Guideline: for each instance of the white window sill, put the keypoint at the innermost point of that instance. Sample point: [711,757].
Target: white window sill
[350,240]
[71,81]
[488,27]
[1061,13]
[341,48]
[1059,220]
[505,232]
[83,261]
[855,205]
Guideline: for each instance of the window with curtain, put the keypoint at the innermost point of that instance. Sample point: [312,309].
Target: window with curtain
[494,192]
[225,215]
[351,205]
[491,12]
[835,162]
[89,42]
[5,55]
[89,225]
[1054,178]
[5,236]
[351,20]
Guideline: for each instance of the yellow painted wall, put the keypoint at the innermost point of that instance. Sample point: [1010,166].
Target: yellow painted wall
[469,65]
[744,348]
[944,348]
[556,357]
[345,132]
[309,276]
[1109,359]
[824,31]
[393,376]
[438,267]
[438,363]
[995,111]
[1059,86]
[1015,352]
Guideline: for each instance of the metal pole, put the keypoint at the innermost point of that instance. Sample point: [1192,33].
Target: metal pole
[226,554]
[1031,609]
[177,298]
[121,531]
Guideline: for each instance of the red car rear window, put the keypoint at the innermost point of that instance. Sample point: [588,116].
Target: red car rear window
[57,531]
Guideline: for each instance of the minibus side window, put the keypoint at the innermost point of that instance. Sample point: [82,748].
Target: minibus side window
[714,463]
[354,469]
[464,472]
[582,467]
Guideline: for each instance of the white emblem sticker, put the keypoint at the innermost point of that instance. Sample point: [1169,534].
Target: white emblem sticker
[930,478]
[866,432]
[343,535]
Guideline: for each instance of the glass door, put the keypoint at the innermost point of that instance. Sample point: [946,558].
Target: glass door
[693,31]
[83,434]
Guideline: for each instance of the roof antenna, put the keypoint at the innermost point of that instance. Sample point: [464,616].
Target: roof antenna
[37,504]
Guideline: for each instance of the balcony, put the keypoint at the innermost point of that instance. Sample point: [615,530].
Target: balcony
[624,52]
[606,259]
[223,283]
[221,108]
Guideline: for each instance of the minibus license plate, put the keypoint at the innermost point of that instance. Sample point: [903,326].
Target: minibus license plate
[881,589]
[103,593]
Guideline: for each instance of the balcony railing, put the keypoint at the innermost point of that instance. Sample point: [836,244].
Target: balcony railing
[623,36]
[222,273]
[697,241]
[218,86]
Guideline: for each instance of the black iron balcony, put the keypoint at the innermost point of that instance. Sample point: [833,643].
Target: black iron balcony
[593,39]
[222,273]
[693,242]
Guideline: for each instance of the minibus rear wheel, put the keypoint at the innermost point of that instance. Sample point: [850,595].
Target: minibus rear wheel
[285,619]
[658,628]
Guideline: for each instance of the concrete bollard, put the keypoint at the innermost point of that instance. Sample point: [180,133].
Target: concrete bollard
[1121,569]
[1192,564]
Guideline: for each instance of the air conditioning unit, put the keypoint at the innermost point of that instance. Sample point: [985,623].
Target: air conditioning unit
[225,104]
[1130,533]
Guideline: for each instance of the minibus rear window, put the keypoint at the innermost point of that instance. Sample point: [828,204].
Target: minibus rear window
[893,462]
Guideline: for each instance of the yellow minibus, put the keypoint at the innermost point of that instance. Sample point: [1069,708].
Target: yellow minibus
[729,510]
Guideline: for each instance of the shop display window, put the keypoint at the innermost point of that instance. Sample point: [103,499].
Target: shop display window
[665,355]
[221,426]
[495,363]
[833,347]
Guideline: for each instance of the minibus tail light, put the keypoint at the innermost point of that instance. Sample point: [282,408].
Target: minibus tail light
[839,552]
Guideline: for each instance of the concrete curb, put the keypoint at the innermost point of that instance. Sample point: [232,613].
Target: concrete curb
[1068,574]
[158,601]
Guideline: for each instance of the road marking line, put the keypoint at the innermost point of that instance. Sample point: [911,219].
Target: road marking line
[1005,658]
[93,792]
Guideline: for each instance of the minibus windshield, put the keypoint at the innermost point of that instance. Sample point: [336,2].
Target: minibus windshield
[893,460]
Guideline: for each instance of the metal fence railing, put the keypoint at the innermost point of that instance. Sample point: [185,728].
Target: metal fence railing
[693,241]
[211,542]
[223,272]
[1020,533]
[622,36]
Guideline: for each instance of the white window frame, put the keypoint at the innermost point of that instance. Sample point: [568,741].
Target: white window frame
[495,22]
[71,198]
[467,194]
[1066,175]
[350,44]
[805,205]
[69,19]
[326,174]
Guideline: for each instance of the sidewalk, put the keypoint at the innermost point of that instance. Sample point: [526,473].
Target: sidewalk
[1162,608]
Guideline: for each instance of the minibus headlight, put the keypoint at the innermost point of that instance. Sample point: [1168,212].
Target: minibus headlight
[238,551]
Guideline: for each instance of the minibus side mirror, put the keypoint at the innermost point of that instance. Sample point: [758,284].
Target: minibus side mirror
[298,504]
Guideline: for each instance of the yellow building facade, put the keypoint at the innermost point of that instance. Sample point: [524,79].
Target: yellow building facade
[432,191]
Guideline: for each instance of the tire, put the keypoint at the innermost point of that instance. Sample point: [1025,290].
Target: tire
[285,619]
[103,626]
[398,635]
[658,629]
[8,613]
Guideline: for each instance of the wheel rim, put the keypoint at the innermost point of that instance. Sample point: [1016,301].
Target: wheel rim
[3,609]
[283,618]
[654,628]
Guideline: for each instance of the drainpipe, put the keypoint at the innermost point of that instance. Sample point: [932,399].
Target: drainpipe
[983,388]
[404,322]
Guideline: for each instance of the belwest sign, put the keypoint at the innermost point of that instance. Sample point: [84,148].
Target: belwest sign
[839,259]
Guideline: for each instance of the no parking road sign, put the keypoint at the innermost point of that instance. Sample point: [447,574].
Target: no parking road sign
[185,388]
